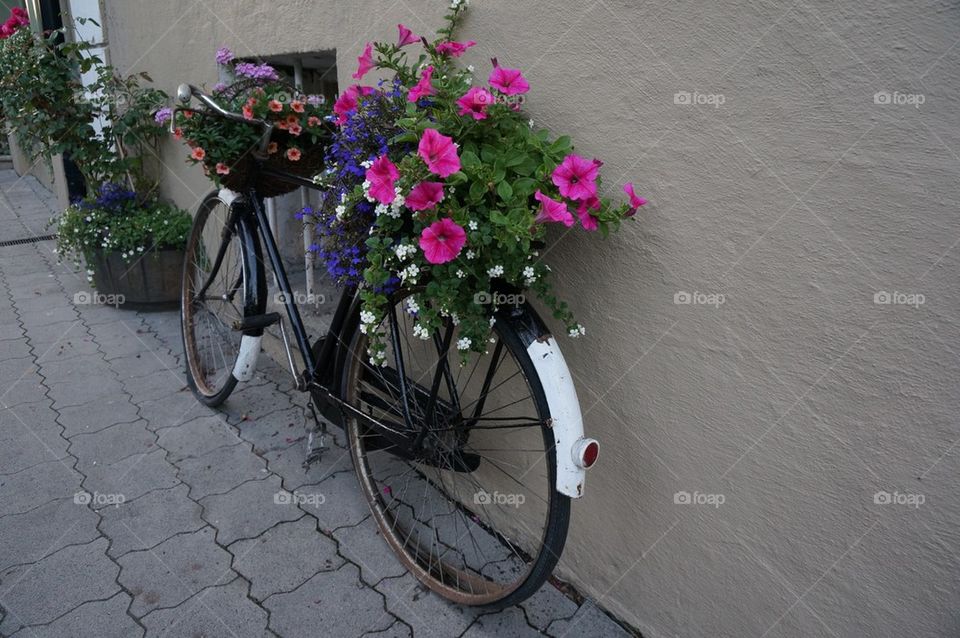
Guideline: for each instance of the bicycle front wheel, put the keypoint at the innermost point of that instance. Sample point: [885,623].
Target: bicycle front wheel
[474,513]
[212,298]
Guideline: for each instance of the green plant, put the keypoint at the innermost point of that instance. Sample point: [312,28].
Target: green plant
[117,220]
[463,195]
[51,112]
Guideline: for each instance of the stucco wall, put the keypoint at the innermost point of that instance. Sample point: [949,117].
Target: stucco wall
[797,199]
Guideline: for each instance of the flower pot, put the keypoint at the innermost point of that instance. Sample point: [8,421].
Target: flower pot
[150,282]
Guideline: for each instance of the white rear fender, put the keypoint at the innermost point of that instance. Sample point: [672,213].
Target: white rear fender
[566,421]
[246,363]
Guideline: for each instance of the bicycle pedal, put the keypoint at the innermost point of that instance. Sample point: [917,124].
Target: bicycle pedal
[256,322]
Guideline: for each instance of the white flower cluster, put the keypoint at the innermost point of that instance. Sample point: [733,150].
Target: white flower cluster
[456,3]
[464,343]
[421,331]
[368,321]
[529,275]
[473,225]
[405,250]
[496,271]
[577,331]
[366,190]
[412,306]
[409,274]
[471,254]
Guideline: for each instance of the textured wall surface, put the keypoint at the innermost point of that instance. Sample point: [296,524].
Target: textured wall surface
[792,170]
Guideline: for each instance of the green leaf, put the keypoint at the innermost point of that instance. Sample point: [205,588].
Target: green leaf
[477,190]
[469,159]
[504,190]
[499,218]
[515,160]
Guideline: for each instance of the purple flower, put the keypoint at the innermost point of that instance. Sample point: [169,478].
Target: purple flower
[219,87]
[224,55]
[162,116]
[315,100]
[257,71]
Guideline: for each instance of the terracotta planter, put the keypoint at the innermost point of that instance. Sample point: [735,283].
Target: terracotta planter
[150,283]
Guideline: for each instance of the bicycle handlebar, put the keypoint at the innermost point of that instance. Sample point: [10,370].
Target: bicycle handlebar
[187,91]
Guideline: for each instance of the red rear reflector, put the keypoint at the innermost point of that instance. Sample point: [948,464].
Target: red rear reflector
[590,453]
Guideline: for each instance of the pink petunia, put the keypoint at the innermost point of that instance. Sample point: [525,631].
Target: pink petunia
[222,169]
[349,100]
[439,153]
[442,241]
[587,220]
[475,102]
[365,62]
[423,87]
[552,211]
[635,200]
[382,176]
[406,36]
[576,177]
[425,196]
[294,154]
[508,81]
[198,154]
[454,49]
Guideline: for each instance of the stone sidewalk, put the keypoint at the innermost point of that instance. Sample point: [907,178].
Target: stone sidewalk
[129,509]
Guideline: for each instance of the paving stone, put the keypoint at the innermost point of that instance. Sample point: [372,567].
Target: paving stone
[197,437]
[132,476]
[72,346]
[37,485]
[221,470]
[253,403]
[509,623]
[274,432]
[10,331]
[51,315]
[67,370]
[588,622]
[112,444]
[14,348]
[28,537]
[364,545]
[84,390]
[171,411]
[327,605]
[150,519]
[145,364]
[344,504]
[14,369]
[547,605]
[217,612]
[284,557]
[288,462]
[93,417]
[248,510]
[43,287]
[45,338]
[29,434]
[156,386]
[27,390]
[99,619]
[427,613]
[41,592]
[397,630]
[118,339]
[175,570]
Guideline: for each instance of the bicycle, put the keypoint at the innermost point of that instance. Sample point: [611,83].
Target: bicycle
[468,476]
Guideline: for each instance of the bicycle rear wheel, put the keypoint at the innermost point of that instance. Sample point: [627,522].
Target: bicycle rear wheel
[210,344]
[475,516]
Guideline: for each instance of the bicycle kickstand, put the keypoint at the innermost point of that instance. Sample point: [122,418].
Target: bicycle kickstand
[316,439]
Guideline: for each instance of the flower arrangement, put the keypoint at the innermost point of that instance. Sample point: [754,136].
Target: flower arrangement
[223,147]
[116,219]
[462,194]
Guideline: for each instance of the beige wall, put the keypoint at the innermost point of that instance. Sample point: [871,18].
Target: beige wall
[798,199]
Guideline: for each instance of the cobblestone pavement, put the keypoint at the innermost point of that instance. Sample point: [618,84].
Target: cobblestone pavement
[94,410]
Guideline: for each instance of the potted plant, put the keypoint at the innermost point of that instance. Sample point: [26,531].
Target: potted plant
[132,242]
[441,185]
[225,148]
[133,247]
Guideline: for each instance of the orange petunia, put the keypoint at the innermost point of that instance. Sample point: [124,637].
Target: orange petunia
[294,154]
